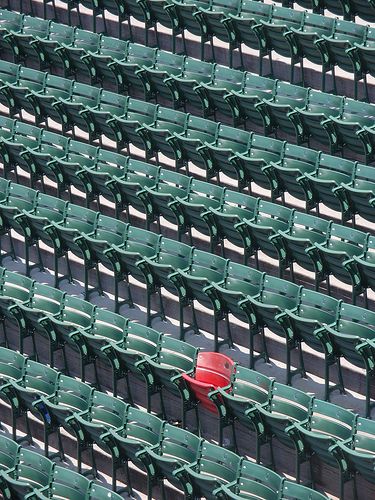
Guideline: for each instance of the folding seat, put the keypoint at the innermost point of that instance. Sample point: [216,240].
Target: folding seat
[339,50]
[132,187]
[74,55]
[274,296]
[9,454]
[358,452]
[203,270]
[155,75]
[141,432]
[200,197]
[34,316]
[9,21]
[261,152]
[230,296]
[246,23]
[347,129]
[275,34]
[197,132]
[65,483]
[193,73]
[309,119]
[215,16]
[214,467]
[363,266]
[97,115]
[9,73]
[136,114]
[303,323]
[75,315]
[17,92]
[171,255]
[237,403]
[156,134]
[360,191]
[45,44]
[21,40]
[294,491]
[139,341]
[226,222]
[219,153]
[173,358]
[32,471]
[289,172]
[364,51]
[192,20]
[253,481]
[98,492]
[340,247]
[324,185]
[177,448]
[127,68]
[66,236]
[105,412]
[268,220]
[81,97]
[299,241]
[328,424]
[60,409]
[275,110]
[307,39]
[286,405]
[37,380]
[44,100]
[17,198]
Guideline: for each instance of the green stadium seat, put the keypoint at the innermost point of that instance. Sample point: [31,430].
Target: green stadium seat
[294,491]
[361,190]
[165,13]
[177,448]
[304,324]
[236,404]
[65,483]
[9,454]
[363,266]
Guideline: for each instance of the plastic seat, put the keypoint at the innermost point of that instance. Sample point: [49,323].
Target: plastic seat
[9,21]
[364,51]
[70,398]
[327,424]
[212,370]
[275,111]
[254,481]
[246,22]
[340,247]
[140,341]
[309,118]
[164,13]
[286,405]
[304,324]
[324,185]
[352,337]
[339,49]
[230,297]
[360,191]
[65,483]
[172,255]
[277,37]
[363,265]
[204,269]
[32,471]
[293,491]
[141,432]
[105,413]
[200,197]
[177,448]
[268,219]
[261,152]
[299,242]
[226,222]
[237,402]
[173,358]
[274,297]
[9,454]
[214,467]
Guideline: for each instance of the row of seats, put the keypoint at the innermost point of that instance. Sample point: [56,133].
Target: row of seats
[261,301]
[215,147]
[263,27]
[194,465]
[321,40]
[318,245]
[27,474]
